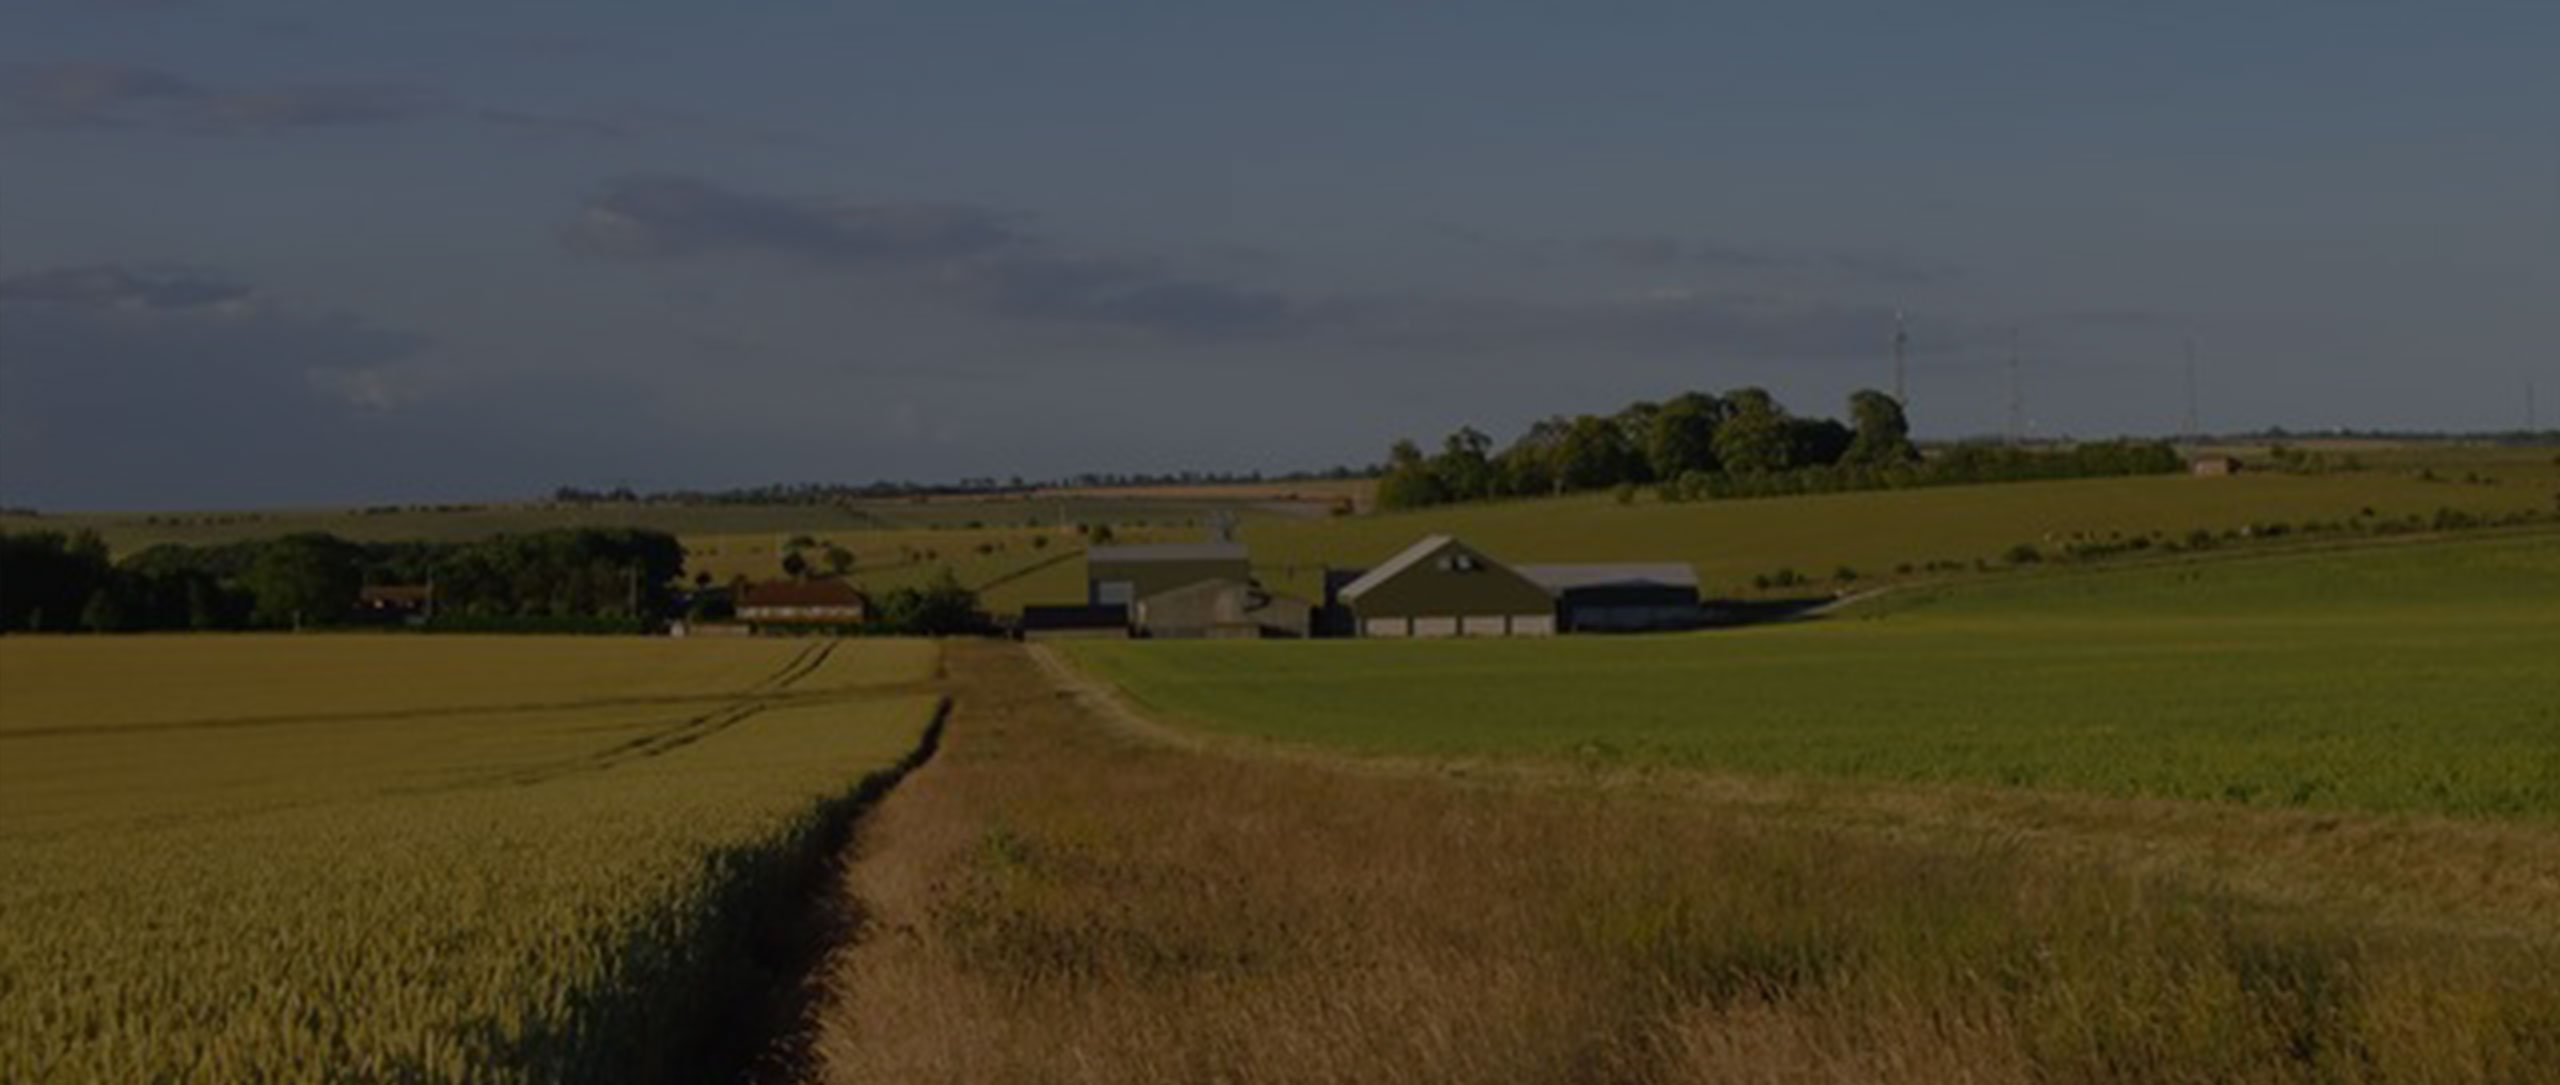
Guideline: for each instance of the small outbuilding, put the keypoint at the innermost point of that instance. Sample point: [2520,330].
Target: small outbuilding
[1122,575]
[787,604]
[1620,598]
[390,603]
[1440,587]
[2214,466]
[1222,609]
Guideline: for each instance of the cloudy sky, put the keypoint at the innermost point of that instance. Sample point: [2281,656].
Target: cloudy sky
[261,253]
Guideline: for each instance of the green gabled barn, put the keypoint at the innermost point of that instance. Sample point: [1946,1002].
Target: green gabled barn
[1440,587]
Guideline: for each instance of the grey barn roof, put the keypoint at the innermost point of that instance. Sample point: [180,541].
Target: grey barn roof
[1411,556]
[1168,552]
[1562,578]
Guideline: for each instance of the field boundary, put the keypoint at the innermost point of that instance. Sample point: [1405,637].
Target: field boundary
[1918,590]
[756,983]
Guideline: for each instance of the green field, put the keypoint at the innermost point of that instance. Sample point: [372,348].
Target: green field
[2409,677]
[1731,542]
[269,858]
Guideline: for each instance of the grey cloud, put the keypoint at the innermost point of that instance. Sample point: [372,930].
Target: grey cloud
[661,216]
[993,263]
[1132,294]
[142,385]
[1661,253]
[123,289]
[112,96]
[977,256]
[2114,317]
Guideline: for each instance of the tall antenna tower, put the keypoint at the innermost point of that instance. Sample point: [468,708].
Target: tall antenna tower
[1901,346]
[2188,432]
[2532,424]
[2017,395]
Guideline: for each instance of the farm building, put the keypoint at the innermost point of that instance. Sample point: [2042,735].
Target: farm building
[1619,598]
[1122,575]
[1441,587]
[395,602]
[2214,466]
[784,604]
[1222,609]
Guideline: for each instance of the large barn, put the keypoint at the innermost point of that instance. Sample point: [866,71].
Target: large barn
[1441,587]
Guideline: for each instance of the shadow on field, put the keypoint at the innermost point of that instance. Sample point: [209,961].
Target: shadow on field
[1734,613]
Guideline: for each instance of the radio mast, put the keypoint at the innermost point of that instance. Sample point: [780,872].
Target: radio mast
[2017,395]
[2188,434]
[1901,344]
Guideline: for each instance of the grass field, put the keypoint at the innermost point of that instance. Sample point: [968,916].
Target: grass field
[2410,677]
[1731,542]
[400,858]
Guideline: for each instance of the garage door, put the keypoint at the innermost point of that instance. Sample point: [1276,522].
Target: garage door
[1475,625]
[1384,627]
[1443,626]
[1533,625]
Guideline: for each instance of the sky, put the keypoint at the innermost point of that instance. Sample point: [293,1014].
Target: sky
[308,253]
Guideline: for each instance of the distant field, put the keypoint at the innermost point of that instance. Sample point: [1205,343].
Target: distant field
[1731,542]
[129,531]
[2414,677]
[247,858]
[1013,564]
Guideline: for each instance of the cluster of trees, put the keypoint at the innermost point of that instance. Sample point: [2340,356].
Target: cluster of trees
[53,581]
[942,607]
[1741,434]
[1955,465]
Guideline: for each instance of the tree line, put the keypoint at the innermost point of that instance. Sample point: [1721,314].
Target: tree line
[1744,443]
[50,581]
[1742,433]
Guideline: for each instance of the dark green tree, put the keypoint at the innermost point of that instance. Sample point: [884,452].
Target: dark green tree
[1465,466]
[1754,438]
[1595,454]
[1883,437]
[306,579]
[1410,483]
[1683,435]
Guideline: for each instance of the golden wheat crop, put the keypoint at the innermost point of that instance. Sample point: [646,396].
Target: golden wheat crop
[393,858]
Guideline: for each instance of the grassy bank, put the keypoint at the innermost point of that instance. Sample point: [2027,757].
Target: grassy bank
[1056,900]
